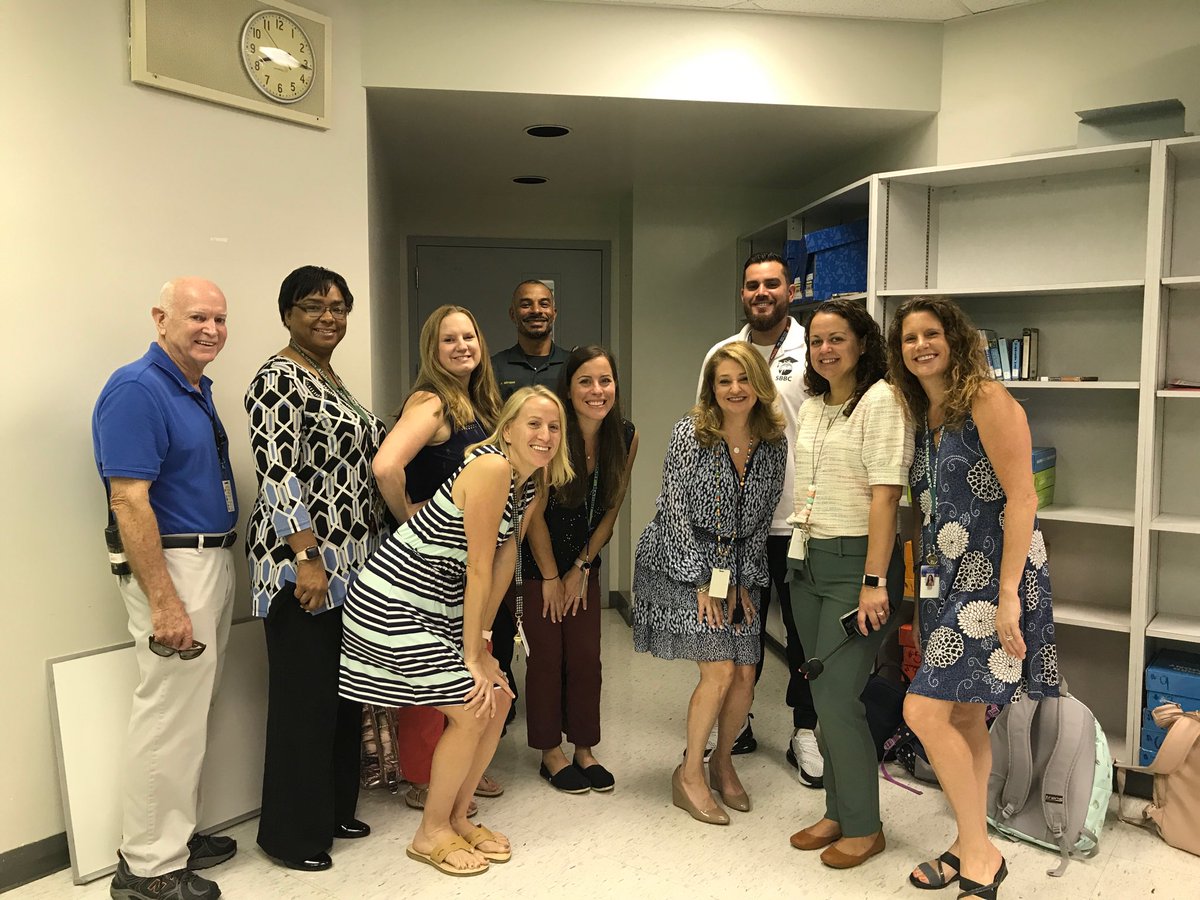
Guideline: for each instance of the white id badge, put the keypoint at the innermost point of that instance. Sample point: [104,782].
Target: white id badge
[719,585]
[930,584]
[798,548]
[227,486]
[524,640]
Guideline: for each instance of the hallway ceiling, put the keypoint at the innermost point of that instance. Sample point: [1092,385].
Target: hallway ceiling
[466,141]
[894,10]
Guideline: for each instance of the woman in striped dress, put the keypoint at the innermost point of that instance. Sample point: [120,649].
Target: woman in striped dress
[414,619]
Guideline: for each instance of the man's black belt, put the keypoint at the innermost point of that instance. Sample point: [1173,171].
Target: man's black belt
[198,541]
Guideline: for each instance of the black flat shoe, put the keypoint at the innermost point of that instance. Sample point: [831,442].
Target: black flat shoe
[598,777]
[352,829]
[318,863]
[568,779]
[983,891]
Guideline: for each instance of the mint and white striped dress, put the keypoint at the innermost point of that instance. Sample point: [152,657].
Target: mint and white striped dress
[402,642]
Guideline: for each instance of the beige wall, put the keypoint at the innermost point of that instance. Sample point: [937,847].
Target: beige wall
[1012,80]
[110,189]
[528,46]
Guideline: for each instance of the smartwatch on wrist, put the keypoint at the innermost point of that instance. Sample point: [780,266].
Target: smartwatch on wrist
[583,565]
[308,553]
[874,581]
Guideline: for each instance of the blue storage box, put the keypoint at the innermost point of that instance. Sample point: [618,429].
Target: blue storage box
[1174,672]
[1145,757]
[1152,739]
[837,259]
[1187,704]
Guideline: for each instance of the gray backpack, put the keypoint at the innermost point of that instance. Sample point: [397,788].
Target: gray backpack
[1051,776]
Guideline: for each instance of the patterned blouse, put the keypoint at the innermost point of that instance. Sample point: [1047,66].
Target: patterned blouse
[312,455]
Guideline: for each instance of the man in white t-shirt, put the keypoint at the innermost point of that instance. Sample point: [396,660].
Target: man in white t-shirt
[767,291]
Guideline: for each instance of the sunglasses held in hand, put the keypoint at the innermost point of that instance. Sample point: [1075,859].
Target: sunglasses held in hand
[163,650]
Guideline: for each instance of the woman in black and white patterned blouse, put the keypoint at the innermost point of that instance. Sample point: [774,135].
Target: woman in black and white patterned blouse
[318,516]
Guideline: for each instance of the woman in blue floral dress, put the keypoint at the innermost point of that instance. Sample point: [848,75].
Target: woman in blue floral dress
[986,624]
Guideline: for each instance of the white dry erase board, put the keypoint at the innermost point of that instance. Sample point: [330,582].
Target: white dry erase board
[90,696]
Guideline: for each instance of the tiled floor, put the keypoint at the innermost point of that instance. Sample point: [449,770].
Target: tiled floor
[633,843]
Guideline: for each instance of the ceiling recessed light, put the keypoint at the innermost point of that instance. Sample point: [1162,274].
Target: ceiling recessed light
[547,131]
[530,179]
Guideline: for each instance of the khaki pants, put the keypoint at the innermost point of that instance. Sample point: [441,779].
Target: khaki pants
[168,724]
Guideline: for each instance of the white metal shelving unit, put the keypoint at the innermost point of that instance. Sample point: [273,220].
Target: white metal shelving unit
[1100,250]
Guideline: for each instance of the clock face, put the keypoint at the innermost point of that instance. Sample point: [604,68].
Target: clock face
[278,56]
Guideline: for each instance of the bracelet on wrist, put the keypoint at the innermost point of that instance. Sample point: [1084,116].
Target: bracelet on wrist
[551,578]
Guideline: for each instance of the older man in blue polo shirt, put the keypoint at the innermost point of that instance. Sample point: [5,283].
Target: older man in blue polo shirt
[163,455]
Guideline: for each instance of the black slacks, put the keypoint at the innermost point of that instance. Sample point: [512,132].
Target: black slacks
[311,770]
[799,694]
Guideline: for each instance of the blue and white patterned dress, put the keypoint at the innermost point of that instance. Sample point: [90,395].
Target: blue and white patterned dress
[402,642]
[679,548]
[961,655]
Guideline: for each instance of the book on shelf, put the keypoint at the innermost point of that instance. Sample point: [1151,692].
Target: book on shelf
[1011,358]
[1044,458]
[1029,354]
[1069,378]
[991,350]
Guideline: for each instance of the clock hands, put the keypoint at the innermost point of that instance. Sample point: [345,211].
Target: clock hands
[281,58]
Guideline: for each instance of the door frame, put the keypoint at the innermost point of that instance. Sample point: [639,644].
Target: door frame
[605,248]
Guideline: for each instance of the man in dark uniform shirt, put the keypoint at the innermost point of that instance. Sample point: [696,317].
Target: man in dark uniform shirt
[534,358]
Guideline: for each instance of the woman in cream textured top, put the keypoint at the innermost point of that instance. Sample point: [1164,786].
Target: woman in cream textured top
[853,450]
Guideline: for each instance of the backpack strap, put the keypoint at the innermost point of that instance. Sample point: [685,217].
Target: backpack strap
[1068,747]
[1019,779]
[1181,737]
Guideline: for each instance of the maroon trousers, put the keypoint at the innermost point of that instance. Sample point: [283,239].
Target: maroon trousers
[562,673]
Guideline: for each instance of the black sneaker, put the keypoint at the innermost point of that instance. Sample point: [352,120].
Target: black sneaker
[745,742]
[182,884]
[208,850]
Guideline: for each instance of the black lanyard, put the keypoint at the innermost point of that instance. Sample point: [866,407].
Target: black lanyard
[931,450]
[219,437]
[779,342]
[723,550]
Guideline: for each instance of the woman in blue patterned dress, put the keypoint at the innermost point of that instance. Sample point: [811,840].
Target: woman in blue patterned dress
[722,478]
[318,517]
[986,624]
[415,617]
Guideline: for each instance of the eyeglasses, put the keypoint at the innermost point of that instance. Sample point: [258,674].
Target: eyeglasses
[163,650]
[316,310]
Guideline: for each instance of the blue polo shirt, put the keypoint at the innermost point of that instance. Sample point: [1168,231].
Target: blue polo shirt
[151,424]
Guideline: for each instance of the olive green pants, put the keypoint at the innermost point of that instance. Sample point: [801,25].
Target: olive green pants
[825,587]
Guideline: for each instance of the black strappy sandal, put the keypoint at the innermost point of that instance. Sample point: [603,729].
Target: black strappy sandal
[983,891]
[937,877]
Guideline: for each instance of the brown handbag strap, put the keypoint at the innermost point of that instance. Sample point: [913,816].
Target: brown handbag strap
[1181,737]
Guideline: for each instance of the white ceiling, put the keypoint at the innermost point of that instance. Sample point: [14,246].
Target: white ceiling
[895,10]
[467,142]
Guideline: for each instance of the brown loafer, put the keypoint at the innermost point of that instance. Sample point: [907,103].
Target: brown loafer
[806,840]
[836,859]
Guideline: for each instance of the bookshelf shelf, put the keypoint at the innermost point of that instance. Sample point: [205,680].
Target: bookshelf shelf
[1038,290]
[1179,394]
[1174,627]
[1073,385]
[1182,283]
[1087,515]
[1175,523]
[1041,165]
[1088,615]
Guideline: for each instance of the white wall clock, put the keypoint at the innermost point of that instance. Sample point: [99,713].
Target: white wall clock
[270,57]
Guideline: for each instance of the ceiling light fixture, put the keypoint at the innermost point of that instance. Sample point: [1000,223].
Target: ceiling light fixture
[530,179]
[547,131]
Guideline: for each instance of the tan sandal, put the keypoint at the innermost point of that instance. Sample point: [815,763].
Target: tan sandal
[488,787]
[437,857]
[481,834]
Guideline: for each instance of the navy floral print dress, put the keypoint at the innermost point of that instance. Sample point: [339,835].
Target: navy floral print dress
[962,659]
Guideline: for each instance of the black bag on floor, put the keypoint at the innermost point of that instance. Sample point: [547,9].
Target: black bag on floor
[883,698]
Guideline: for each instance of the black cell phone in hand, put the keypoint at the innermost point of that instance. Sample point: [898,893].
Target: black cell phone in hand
[850,623]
